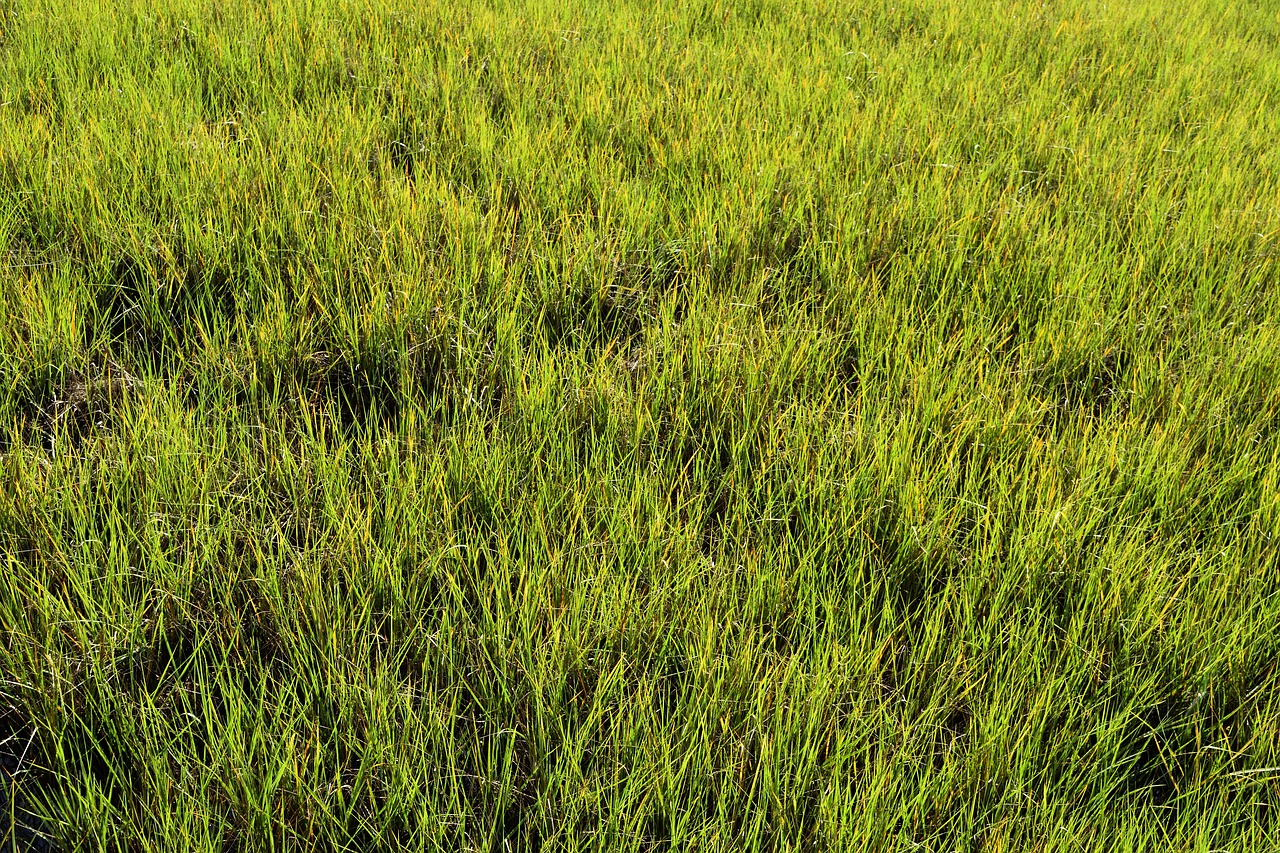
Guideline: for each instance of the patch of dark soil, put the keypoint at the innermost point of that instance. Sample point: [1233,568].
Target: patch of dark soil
[75,404]
[360,388]
[358,391]
[150,307]
[848,370]
[1088,388]
[414,146]
[594,319]
[21,776]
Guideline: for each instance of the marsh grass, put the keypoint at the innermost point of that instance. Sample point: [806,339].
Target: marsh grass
[766,426]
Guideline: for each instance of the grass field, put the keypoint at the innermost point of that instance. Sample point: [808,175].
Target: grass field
[572,425]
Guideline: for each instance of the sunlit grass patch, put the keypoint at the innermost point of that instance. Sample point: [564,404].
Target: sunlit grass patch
[647,427]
